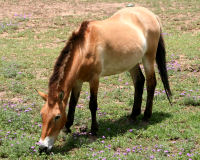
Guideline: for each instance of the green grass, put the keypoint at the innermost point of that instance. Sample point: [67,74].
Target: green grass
[26,62]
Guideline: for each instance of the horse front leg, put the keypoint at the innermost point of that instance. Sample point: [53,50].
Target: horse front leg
[94,85]
[75,93]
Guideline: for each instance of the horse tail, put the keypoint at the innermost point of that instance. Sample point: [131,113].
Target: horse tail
[161,64]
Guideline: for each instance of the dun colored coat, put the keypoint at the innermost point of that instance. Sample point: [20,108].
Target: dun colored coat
[104,48]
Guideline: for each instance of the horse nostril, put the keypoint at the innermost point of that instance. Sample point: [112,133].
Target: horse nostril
[42,149]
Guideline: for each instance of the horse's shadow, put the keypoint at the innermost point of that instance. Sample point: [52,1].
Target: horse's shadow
[109,128]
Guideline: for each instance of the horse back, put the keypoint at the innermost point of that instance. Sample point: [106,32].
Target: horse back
[120,42]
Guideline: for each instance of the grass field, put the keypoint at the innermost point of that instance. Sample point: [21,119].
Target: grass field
[32,34]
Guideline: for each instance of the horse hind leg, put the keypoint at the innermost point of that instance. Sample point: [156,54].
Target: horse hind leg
[148,63]
[75,93]
[138,81]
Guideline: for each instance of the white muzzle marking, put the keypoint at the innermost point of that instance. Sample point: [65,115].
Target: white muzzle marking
[47,143]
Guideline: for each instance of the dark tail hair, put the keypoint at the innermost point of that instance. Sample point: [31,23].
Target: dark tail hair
[161,63]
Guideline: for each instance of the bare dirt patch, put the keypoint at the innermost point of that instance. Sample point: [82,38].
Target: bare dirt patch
[40,74]
[42,13]
[182,18]
[42,9]
[14,100]
[185,66]
[2,94]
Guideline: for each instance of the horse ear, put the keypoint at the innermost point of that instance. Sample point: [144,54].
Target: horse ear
[43,95]
[61,95]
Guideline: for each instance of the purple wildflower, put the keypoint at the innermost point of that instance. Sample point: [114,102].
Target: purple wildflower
[94,154]
[117,153]
[188,154]
[158,150]
[165,33]
[151,157]
[101,151]
[182,94]
[128,149]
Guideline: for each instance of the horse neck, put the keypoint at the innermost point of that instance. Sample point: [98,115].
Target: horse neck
[70,77]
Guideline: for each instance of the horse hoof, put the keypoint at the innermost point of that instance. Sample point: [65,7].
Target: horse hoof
[144,123]
[147,116]
[145,119]
[93,133]
[94,129]
[66,130]
[132,119]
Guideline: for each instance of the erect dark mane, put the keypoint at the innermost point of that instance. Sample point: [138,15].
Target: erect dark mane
[63,61]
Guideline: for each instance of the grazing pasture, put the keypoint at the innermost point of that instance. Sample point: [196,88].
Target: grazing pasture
[32,34]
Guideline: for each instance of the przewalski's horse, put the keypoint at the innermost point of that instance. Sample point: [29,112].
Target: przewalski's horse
[104,48]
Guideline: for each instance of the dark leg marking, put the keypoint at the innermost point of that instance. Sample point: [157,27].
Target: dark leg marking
[138,81]
[72,105]
[151,84]
[93,108]
[93,105]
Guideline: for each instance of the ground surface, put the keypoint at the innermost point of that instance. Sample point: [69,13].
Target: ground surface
[32,33]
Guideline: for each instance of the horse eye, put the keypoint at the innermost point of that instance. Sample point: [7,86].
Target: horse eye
[57,117]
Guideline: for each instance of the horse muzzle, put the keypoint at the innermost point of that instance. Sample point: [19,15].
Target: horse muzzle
[46,144]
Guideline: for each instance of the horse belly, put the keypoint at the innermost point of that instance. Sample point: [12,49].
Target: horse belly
[115,64]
